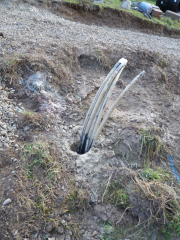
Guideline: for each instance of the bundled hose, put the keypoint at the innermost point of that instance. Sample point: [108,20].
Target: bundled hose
[92,125]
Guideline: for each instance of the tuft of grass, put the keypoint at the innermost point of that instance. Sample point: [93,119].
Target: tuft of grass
[33,120]
[151,174]
[77,199]
[150,145]
[102,59]
[38,155]
[116,196]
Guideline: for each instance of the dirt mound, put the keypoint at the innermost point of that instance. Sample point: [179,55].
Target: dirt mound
[51,186]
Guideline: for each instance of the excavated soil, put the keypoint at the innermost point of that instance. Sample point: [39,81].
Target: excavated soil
[46,88]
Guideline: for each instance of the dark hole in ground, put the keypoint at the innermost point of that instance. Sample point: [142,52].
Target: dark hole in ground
[75,146]
[78,147]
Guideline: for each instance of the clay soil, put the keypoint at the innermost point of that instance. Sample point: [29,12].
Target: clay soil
[56,193]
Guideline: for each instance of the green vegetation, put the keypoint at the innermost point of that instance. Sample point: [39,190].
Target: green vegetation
[152,175]
[37,155]
[116,196]
[77,199]
[150,145]
[40,158]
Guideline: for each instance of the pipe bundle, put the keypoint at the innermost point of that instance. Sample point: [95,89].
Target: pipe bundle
[93,125]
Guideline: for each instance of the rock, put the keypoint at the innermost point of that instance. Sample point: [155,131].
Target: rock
[15,233]
[173,15]
[5,145]
[110,154]
[60,238]
[7,201]
[153,236]
[98,1]
[34,235]
[126,4]
[49,227]
[63,221]
[94,233]
[53,238]
[68,237]
[60,230]
[26,128]
[68,232]
[4,133]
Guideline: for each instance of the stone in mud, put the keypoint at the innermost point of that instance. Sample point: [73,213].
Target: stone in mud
[7,201]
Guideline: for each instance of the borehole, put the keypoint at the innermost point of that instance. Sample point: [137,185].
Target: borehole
[75,146]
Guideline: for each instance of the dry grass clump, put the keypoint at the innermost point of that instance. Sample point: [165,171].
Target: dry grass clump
[155,199]
[39,198]
[77,199]
[41,155]
[33,120]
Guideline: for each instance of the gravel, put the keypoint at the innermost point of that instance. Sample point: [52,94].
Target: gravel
[26,26]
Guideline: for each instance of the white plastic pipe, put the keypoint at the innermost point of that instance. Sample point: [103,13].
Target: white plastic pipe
[115,104]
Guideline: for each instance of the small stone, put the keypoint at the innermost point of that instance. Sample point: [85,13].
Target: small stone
[68,237]
[5,145]
[7,201]
[62,188]
[153,236]
[126,4]
[94,233]
[15,233]
[34,235]
[49,227]
[60,230]
[53,238]
[4,133]
[60,238]
[110,154]
[63,221]
[26,128]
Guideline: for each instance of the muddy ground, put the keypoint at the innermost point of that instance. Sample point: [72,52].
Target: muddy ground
[124,187]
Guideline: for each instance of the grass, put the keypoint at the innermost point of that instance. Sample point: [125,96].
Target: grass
[77,199]
[115,195]
[151,174]
[150,145]
[37,155]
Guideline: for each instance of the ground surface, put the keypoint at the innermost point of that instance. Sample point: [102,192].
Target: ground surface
[50,70]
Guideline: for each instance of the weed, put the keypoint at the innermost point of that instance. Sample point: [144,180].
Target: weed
[84,106]
[149,144]
[175,224]
[39,156]
[164,63]
[152,175]
[32,120]
[77,199]
[102,59]
[164,77]
[116,196]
